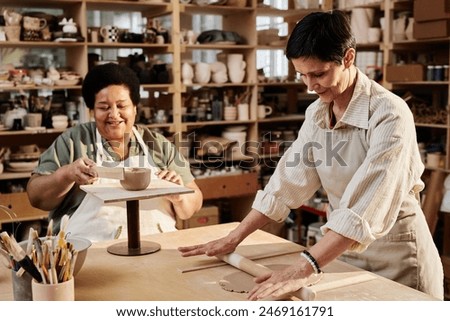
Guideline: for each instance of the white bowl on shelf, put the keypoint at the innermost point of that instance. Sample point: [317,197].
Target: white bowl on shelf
[67,82]
[22,166]
[60,118]
[60,124]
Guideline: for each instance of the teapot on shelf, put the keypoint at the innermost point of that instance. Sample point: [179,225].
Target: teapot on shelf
[68,26]
[14,116]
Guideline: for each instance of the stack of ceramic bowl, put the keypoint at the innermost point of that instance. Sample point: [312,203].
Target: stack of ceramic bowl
[239,135]
[60,121]
[24,159]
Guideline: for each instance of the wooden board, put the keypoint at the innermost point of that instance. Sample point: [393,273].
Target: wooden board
[114,192]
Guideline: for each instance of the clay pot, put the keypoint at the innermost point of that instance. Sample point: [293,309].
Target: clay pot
[136,179]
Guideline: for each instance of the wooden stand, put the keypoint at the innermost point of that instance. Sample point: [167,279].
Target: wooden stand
[134,246]
[114,193]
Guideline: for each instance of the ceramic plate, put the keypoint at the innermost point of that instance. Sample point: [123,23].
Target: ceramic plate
[22,166]
[65,40]
[66,82]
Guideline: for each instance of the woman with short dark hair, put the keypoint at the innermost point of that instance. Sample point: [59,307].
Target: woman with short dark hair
[358,142]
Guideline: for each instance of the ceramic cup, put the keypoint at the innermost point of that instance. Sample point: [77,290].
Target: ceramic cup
[264,111]
[202,72]
[229,113]
[243,112]
[33,23]
[94,36]
[33,119]
[109,33]
[21,286]
[64,291]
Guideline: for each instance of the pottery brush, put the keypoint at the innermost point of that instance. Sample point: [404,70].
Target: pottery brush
[49,229]
[21,257]
[39,257]
[30,241]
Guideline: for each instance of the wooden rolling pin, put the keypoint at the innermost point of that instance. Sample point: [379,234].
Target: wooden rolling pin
[250,267]
[305,293]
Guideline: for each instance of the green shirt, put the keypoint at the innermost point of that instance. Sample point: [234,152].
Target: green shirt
[79,141]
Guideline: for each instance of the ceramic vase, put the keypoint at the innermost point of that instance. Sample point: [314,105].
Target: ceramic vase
[236,67]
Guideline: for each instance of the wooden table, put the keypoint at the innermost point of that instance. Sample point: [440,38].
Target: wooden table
[158,277]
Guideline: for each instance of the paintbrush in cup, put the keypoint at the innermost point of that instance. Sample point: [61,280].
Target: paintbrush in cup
[20,256]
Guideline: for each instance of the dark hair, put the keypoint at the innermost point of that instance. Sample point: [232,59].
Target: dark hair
[102,76]
[322,35]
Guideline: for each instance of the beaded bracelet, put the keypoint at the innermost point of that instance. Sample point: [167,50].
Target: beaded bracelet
[311,260]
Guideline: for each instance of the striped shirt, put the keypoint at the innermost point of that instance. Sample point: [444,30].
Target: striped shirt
[368,163]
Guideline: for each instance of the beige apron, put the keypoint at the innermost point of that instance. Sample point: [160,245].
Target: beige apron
[97,221]
[409,241]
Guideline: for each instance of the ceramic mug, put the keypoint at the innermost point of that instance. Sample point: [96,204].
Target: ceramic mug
[33,23]
[109,33]
[264,111]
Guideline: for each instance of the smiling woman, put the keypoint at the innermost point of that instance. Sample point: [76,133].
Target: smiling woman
[112,140]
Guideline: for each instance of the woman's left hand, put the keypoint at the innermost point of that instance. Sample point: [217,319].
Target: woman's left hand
[278,283]
[173,177]
[170,176]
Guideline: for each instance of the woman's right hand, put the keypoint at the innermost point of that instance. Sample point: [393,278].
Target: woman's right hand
[82,171]
[220,246]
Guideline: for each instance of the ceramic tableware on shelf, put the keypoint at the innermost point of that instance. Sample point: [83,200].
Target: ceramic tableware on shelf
[202,72]
[264,111]
[109,33]
[236,67]
[187,73]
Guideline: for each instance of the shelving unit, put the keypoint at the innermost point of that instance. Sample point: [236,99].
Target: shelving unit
[240,20]
[76,57]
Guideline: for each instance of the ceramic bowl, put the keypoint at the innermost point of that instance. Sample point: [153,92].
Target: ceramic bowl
[136,179]
[60,118]
[60,124]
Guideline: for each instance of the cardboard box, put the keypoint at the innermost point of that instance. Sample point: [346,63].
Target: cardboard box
[431,29]
[224,186]
[407,72]
[208,215]
[427,10]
